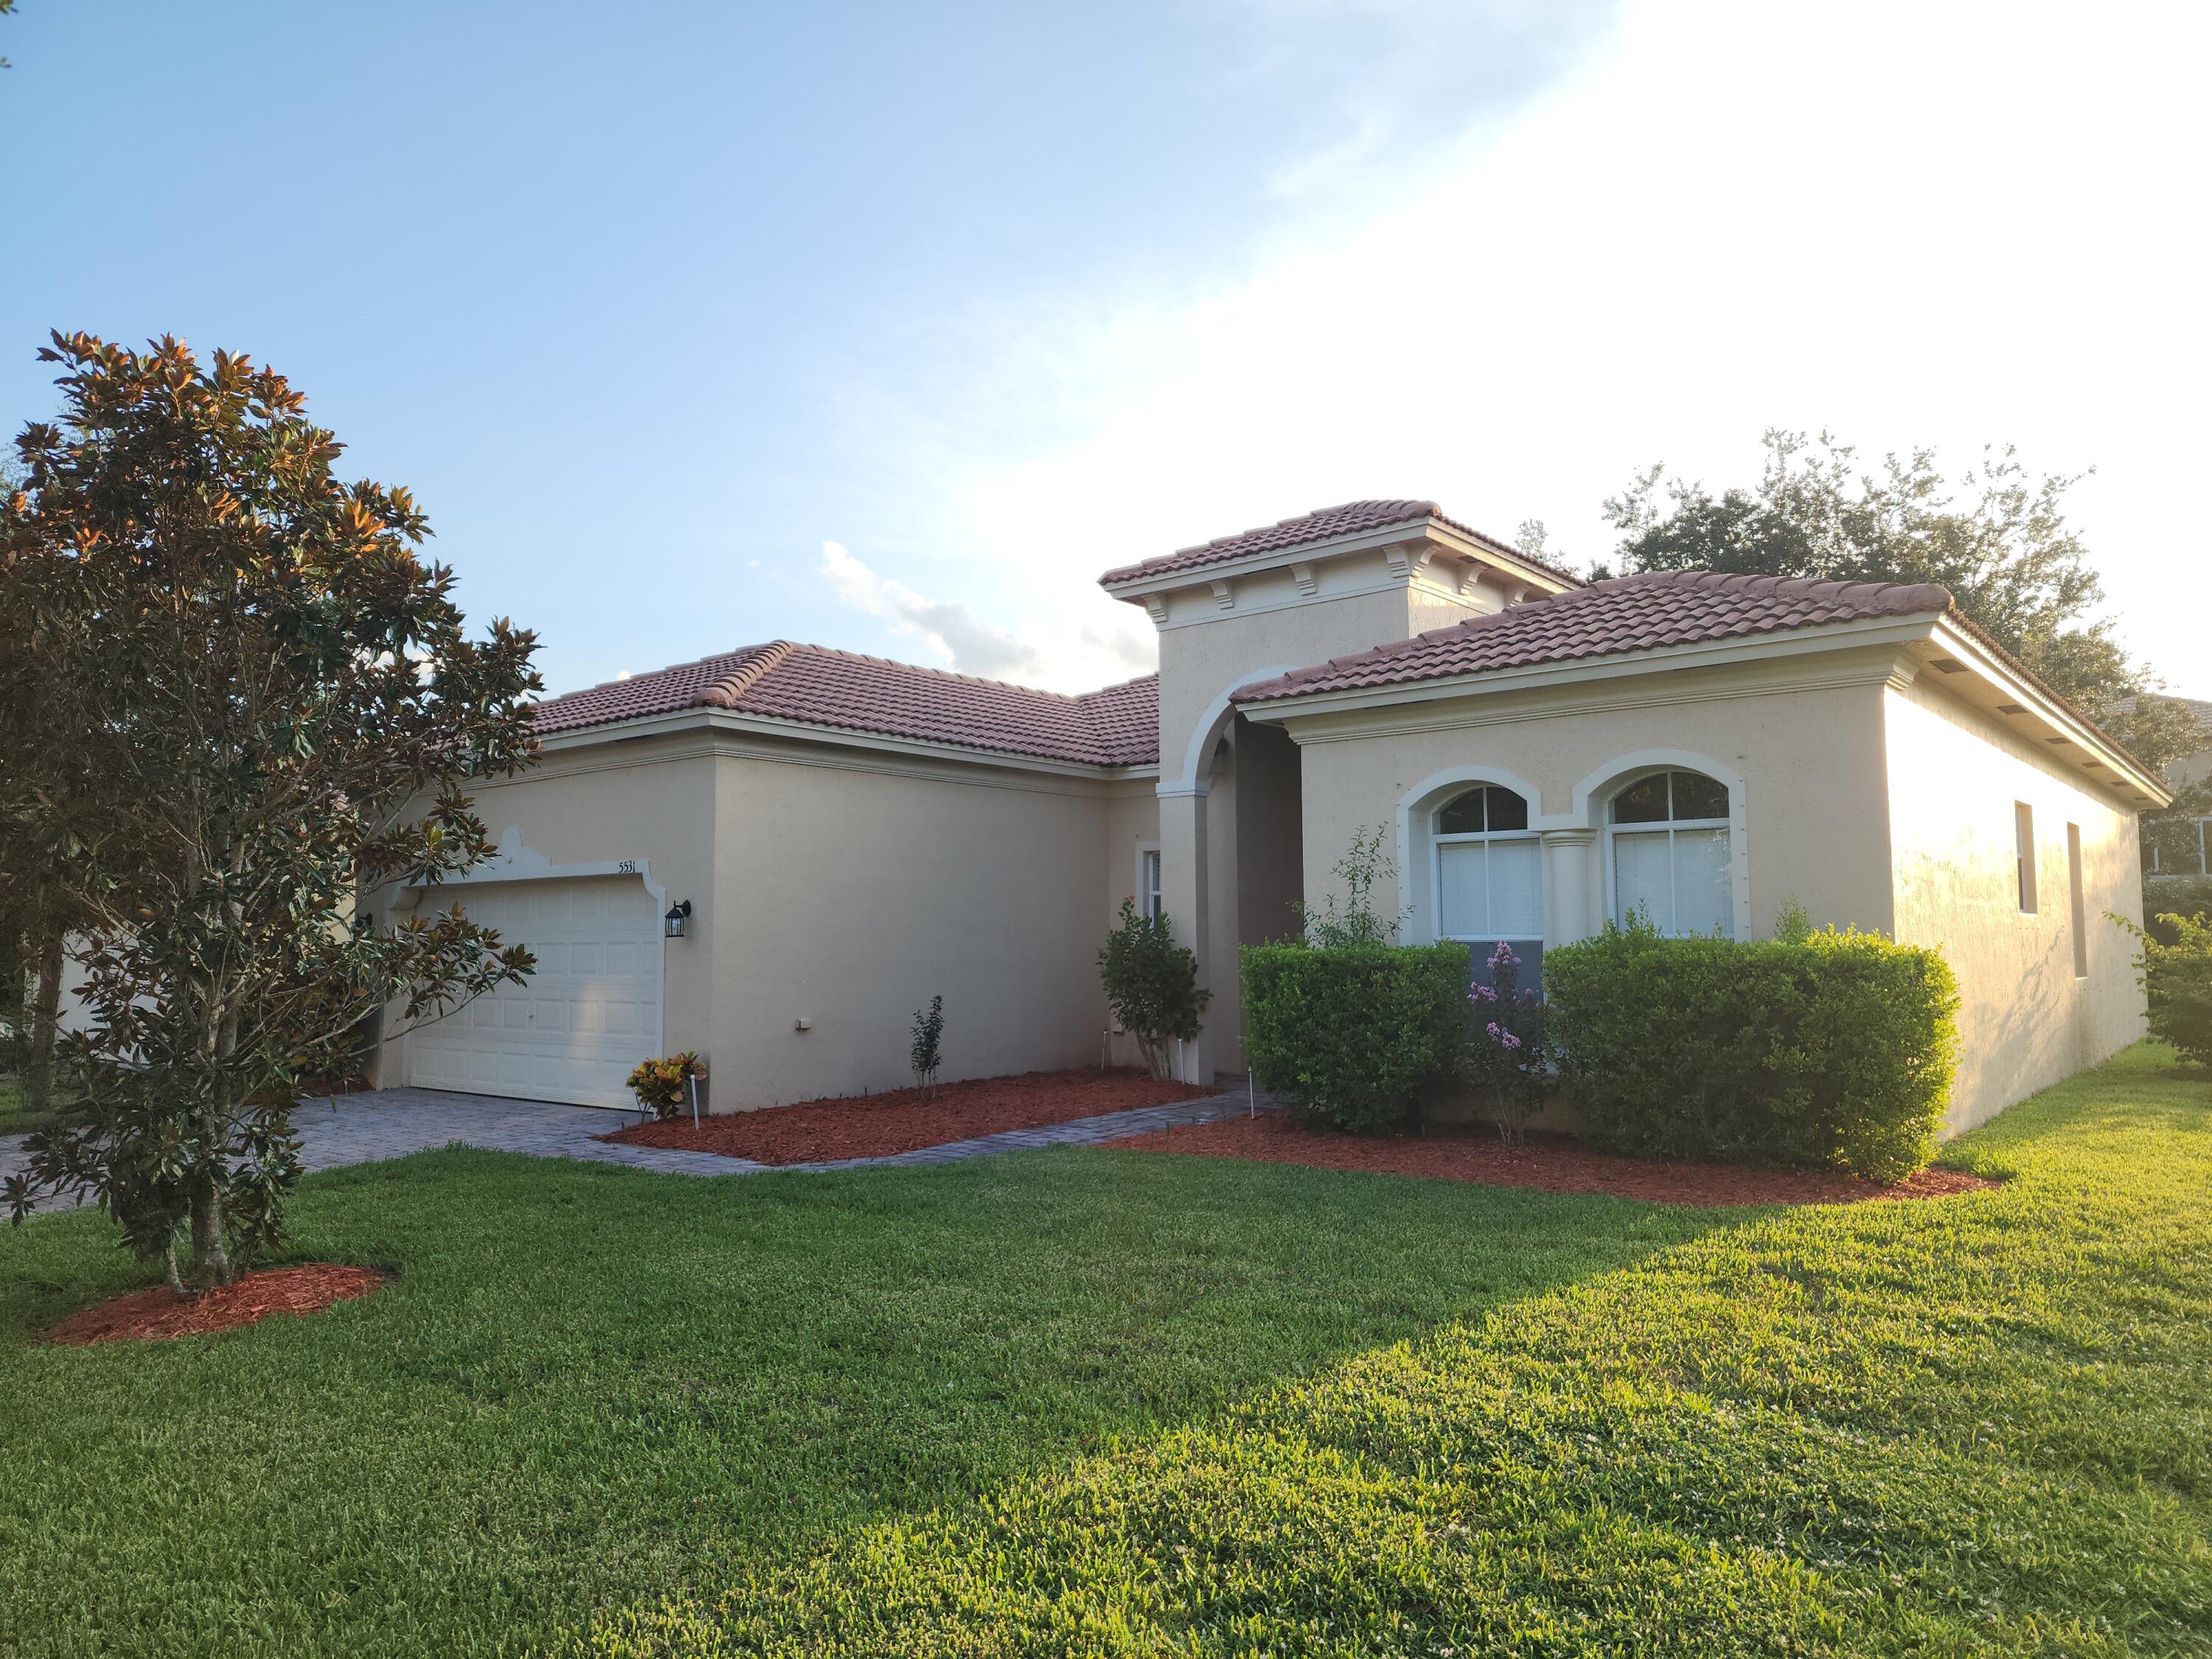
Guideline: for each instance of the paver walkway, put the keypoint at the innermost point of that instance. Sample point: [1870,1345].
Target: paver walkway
[382,1123]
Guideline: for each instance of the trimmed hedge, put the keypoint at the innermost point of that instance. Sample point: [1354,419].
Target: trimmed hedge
[1347,1035]
[1825,1050]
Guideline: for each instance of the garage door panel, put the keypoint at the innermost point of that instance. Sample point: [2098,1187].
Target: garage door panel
[583,1020]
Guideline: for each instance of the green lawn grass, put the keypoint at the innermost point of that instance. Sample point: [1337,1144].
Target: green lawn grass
[14,1120]
[1112,1402]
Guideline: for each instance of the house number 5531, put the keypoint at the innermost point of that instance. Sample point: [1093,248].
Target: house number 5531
[625,866]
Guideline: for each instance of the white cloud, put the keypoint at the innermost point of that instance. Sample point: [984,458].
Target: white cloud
[960,640]
[1911,223]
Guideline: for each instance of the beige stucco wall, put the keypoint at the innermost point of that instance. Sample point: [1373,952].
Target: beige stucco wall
[851,889]
[1205,651]
[2025,1020]
[649,800]
[1809,758]
[1872,797]
[845,887]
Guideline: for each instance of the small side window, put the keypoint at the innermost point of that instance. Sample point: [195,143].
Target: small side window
[1151,896]
[2023,830]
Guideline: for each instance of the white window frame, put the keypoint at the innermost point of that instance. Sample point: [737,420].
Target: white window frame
[1670,824]
[1438,840]
[1151,879]
[2077,907]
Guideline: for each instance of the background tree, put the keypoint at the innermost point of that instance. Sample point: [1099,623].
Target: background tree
[1997,539]
[245,688]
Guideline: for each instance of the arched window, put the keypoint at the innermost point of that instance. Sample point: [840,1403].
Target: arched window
[1670,854]
[1489,875]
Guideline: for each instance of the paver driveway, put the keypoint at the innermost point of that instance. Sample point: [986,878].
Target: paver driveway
[381,1123]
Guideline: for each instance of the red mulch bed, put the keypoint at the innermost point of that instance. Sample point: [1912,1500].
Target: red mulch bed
[1550,1163]
[900,1121]
[159,1313]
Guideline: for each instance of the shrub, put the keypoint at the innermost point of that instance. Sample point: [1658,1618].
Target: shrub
[1354,921]
[1507,1051]
[2175,970]
[2167,896]
[1822,1050]
[1151,985]
[923,1055]
[659,1083]
[1349,1034]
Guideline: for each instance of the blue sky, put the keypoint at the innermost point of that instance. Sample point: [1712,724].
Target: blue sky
[889,326]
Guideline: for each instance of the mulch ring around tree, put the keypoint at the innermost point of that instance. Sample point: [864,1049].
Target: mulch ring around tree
[900,1121]
[1550,1162]
[159,1313]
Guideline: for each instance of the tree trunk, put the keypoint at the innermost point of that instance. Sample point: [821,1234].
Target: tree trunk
[211,1263]
[45,1015]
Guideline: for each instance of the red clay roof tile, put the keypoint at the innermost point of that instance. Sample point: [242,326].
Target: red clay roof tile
[1634,613]
[1352,517]
[1115,727]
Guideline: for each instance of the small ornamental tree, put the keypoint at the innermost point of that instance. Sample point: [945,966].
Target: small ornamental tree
[1508,1051]
[257,706]
[2178,979]
[923,1053]
[1151,986]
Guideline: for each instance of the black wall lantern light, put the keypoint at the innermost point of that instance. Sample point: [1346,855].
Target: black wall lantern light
[673,922]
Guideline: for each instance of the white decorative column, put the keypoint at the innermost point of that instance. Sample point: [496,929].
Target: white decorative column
[1184,896]
[1572,889]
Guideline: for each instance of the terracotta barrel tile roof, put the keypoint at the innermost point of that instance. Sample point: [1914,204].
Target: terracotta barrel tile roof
[1634,613]
[1115,727]
[1353,517]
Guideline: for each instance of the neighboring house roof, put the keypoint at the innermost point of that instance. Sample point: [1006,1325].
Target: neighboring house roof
[1642,612]
[2197,708]
[1325,524]
[1118,725]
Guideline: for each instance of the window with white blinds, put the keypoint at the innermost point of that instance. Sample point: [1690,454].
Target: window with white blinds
[1671,857]
[1489,869]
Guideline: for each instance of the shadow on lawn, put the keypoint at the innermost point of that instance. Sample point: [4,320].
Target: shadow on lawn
[948,1391]
[1823,1430]
[613,1384]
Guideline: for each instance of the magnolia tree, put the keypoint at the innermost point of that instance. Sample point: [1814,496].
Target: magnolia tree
[237,701]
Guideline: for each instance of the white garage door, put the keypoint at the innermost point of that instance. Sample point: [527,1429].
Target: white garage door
[573,1032]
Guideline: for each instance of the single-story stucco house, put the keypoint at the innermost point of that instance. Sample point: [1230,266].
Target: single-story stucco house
[847,837]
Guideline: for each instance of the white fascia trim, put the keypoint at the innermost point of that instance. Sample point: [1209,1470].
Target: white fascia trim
[1582,670]
[1133,589]
[1963,646]
[722,719]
